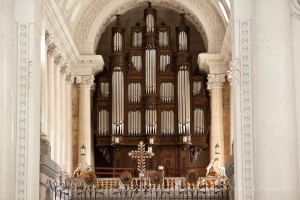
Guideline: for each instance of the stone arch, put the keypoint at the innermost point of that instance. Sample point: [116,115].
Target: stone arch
[202,13]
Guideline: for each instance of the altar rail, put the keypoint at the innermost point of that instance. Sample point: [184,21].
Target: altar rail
[182,171]
[141,188]
[111,172]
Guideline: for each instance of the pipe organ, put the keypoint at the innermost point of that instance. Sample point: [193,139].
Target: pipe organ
[151,93]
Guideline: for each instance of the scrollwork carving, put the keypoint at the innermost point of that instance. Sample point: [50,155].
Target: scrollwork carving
[233,74]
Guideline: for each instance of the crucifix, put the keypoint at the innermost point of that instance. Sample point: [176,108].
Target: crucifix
[141,154]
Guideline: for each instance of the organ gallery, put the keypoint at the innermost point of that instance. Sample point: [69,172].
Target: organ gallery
[150,93]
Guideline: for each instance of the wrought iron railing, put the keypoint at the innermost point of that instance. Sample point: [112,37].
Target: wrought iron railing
[141,188]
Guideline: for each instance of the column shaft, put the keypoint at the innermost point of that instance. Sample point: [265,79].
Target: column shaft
[274,117]
[84,135]
[8,95]
[215,84]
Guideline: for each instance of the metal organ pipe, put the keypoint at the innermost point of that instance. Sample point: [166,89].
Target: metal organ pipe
[183,101]
[118,101]
[150,23]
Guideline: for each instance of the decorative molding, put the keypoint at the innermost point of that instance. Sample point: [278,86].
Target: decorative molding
[85,81]
[246,100]
[56,26]
[215,80]
[212,63]
[22,110]
[233,74]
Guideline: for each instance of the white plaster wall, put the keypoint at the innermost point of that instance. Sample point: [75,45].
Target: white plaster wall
[7,100]
[296,48]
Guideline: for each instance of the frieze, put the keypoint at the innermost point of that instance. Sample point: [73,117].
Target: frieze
[247,110]
[22,110]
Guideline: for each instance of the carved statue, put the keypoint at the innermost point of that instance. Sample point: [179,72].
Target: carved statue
[211,171]
[77,172]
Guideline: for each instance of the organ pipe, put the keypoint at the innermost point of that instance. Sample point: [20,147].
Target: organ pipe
[183,101]
[182,41]
[103,128]
[196,87]
[150,23]
[167,92]
[134,123]
[163,40]
[118,102]
[151,122]
[164,60]
[167,122]
[198,121]
[117,42]
[150,62]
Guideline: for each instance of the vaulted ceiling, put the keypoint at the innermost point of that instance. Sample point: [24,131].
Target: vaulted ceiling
[87,20]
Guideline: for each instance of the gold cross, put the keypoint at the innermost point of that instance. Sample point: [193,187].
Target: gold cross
[141,155]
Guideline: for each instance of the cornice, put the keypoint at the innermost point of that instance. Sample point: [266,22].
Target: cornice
[212,63]
[56,25]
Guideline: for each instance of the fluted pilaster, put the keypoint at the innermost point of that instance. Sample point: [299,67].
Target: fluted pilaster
[59,62]
[52,52]
[68,156]
[65,69]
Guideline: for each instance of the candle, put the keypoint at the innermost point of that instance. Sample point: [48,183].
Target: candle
[184,139]
[151,141]
[149,149]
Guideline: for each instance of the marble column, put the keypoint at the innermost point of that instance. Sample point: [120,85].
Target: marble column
[8,71]
[215,85]
[59,61]
[84,133]
[53,50]
[68,142]
[65,69]
[274,117]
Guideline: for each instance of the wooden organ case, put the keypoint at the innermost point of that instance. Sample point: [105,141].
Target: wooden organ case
[150,95]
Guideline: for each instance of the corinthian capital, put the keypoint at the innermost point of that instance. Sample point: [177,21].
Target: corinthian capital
[60,61]
[215,80]
[49,39]
[65,69]
[53,51]
[70,78]
[85,81]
